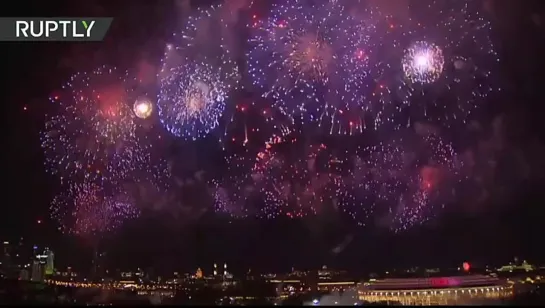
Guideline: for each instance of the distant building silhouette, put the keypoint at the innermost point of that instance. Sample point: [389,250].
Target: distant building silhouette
[37,271]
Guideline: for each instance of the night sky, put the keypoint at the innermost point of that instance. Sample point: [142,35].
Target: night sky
[509,224]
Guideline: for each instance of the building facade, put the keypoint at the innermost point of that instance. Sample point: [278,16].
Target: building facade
[459,290]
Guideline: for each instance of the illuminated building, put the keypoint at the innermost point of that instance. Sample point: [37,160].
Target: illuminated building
[216,273]
[199,274]
[324,274]
[6,250]
[40,263]
[50,262]
[289,287]
[6,258]
[37,271]
[524,267]
[336,286]
[459,290]
[42,259]
[335,298]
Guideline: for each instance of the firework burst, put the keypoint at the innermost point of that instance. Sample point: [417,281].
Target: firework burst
[232,193]
[308,60]
[197,77]
[399,184]
[423,63]
[436,70]
[143,108]
[408,179]
[250,124]
[290,184]
[92,135]
[192,99]
[86,210]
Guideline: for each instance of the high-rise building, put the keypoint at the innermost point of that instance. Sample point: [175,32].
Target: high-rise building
[39,265]
[49,262]
[6,253]
[24,274]
[37,271]
[98,270]
[19,256]
[7,260]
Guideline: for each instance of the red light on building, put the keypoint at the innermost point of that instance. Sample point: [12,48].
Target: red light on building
[466,266]
[439,282]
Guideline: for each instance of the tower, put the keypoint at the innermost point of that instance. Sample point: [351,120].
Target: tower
[98,269]
[34,252]
[37,271]
[6,258]
[6,253]
[50,262]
